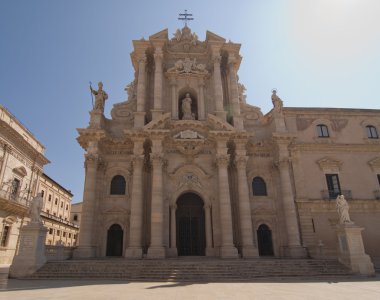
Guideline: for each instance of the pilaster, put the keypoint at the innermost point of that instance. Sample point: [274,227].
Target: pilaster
[140,114]
[238,122]
[218,89]
[157,111]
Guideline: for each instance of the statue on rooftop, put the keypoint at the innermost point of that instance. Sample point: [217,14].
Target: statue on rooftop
[100,97]
[277,102]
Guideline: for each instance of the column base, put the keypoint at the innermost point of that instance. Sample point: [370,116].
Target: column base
[84,252]
[295,251]
[96,119]
[221,115]
[156,113]
[228,252]
[172,252]
[133,253]
[249,252]
[156,252]
[139,120]
[210,251]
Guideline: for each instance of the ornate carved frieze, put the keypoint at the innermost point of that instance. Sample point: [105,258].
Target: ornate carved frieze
[188,134]
[189,180]
[187,66]
[222,160]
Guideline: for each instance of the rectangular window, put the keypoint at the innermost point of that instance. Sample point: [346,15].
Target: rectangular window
[67,207]
[61,204]
[42,193]
[378,178]
[64,234]
[333,185]
[56,201]
[4,236]
[48,211]
[322,130]
[69,235]
[49,198]
[58,232]
[51,231]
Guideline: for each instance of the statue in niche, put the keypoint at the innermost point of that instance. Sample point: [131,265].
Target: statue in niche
[342,207]
[35,208]
[186,108]
[277,102]
[100,97]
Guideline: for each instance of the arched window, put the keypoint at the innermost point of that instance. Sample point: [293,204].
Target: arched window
[75,218]
[372,132]
[118,185]
[322,130]
[259,188]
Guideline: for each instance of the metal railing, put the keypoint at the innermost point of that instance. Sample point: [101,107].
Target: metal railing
[332,194]
[16,198]
[66,222]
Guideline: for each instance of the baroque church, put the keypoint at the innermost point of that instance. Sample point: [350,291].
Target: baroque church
[186,167]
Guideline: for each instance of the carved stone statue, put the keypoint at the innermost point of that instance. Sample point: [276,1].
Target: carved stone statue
[186,108]
[35,208]
[100,97]
[277,102]
[342,207]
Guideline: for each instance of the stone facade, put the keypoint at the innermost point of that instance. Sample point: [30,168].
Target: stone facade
[56,212]
[187,167]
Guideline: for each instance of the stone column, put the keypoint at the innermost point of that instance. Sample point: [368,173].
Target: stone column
[238,124]
[157,249]
[218,89]
[201,101]
[294,247]
[135,229]
[157,111]
[86,248]
[227,249]
[173,85]
[209,247]
[246,231]
[173,231]
[140,114]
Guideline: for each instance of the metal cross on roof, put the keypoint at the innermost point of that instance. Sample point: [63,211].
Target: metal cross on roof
[184,17]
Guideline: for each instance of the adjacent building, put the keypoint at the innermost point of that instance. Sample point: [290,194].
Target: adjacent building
[21,177]
[186,167]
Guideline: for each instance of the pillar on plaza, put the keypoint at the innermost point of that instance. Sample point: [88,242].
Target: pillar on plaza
[86,247]
[246,232]
[218,89]
[157,248]
[157,111]
[139,115]
[227,249]
[134,249]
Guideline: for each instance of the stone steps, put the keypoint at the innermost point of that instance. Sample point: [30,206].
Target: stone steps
[192,269]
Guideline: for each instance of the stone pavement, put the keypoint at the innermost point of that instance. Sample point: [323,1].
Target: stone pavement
[363,289]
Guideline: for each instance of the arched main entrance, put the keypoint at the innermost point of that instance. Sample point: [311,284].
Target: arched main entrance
[264,239]
[190,220]
[115,240]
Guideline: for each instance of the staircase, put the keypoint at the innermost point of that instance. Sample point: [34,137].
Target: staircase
[195,269]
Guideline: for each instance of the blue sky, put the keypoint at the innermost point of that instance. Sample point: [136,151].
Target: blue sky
[316,53]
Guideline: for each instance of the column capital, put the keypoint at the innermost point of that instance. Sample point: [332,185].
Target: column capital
[91,160]
[282,163]
[216,58]
[241,161]
[222,160]
[158,54]
[137,160]
[142,59]
[157,159]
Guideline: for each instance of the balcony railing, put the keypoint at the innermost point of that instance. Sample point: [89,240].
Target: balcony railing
[332,194]
[16,198]
[58,219]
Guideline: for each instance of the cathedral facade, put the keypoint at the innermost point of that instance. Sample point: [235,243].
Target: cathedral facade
[185,167]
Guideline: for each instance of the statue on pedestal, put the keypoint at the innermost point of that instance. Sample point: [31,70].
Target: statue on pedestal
[342,207]
[100,97]
[277,102]
[186,108]
[36,208]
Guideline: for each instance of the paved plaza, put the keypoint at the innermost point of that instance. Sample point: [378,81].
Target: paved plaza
[363,289]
